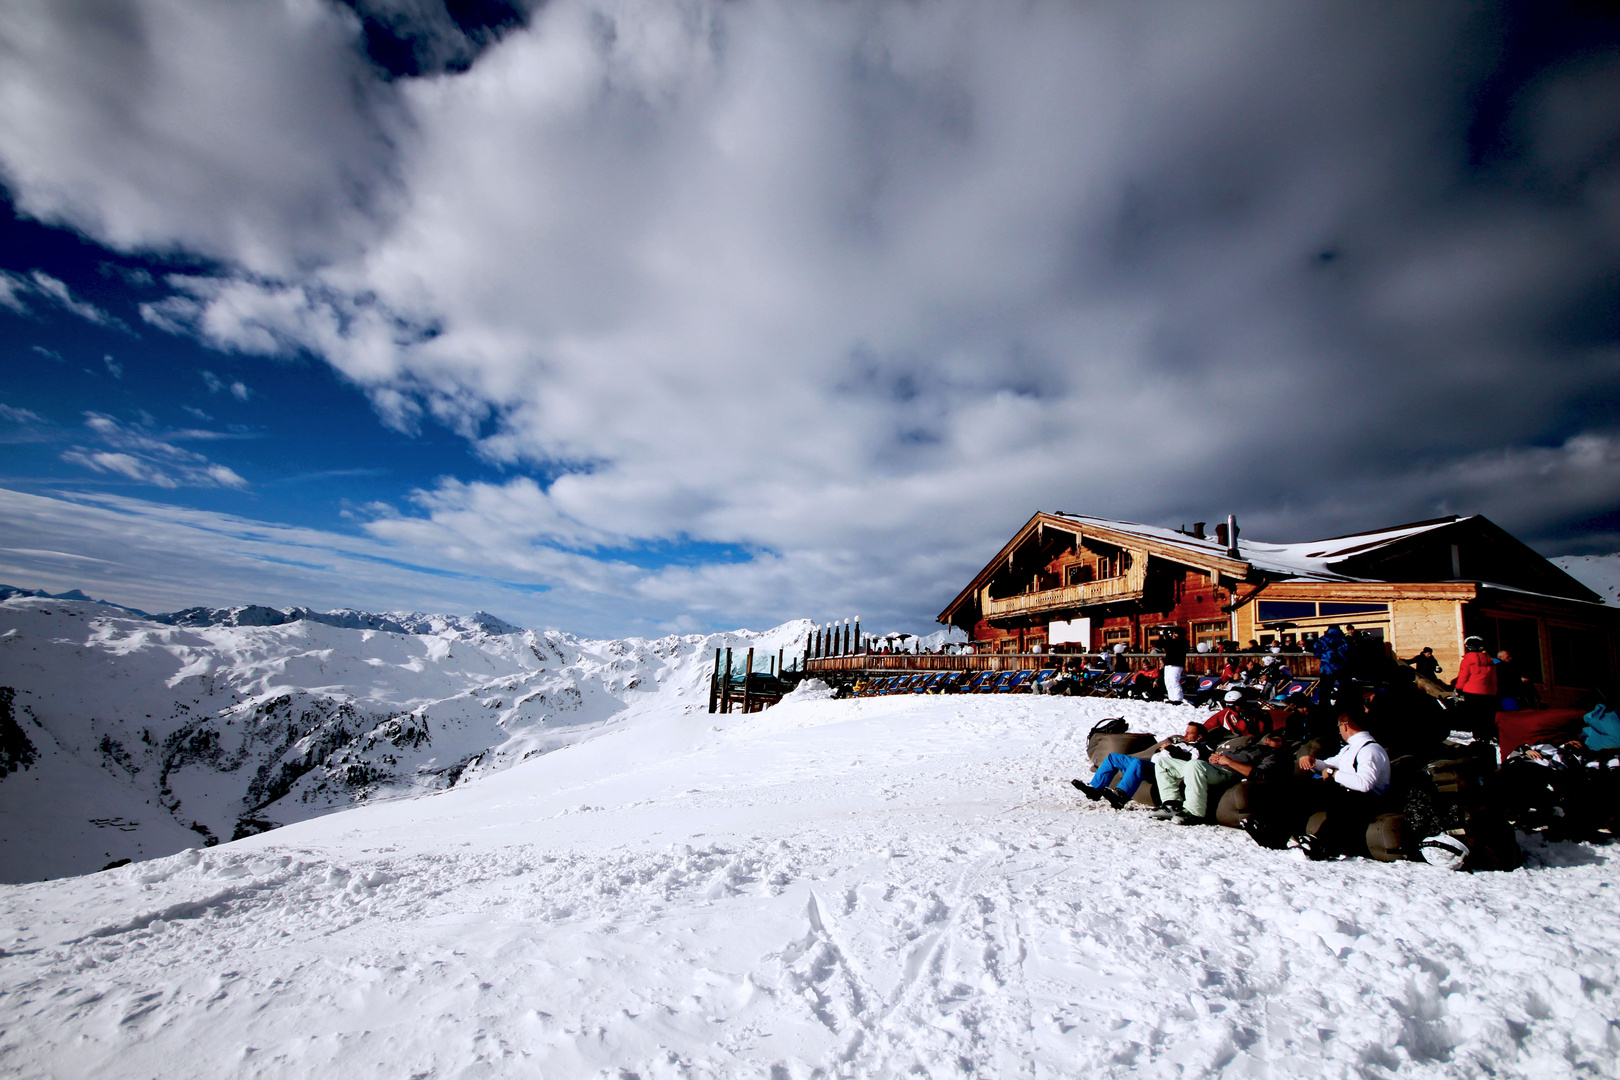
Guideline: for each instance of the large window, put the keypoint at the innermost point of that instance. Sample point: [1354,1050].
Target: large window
[1269,611]
[1580,657]
[1520,637]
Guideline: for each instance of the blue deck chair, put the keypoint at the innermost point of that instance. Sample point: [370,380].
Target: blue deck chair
[1000,683]
[1119,683]
[1019,683]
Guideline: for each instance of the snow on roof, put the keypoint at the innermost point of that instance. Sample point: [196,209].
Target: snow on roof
[1308,560]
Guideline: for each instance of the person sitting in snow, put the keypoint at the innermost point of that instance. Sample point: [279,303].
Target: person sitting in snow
[1240,716]
[1132,770]
[1191,789]
[1350,786]
[1177,778]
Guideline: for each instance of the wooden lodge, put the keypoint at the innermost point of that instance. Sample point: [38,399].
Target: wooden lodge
[1090,583]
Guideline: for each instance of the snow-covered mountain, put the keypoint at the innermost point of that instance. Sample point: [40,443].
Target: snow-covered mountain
[1600,573]
[131,737]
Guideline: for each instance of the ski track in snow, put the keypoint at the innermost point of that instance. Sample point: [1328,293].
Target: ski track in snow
[891,887]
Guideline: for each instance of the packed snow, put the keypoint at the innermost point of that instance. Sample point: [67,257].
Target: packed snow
[871,887]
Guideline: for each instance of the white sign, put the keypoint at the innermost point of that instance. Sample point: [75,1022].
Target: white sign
[1070,632]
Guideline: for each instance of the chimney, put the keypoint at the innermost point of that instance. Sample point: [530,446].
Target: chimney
[1198,530]
[1220,534]
[1231,536]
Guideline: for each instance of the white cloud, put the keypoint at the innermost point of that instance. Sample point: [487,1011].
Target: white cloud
[150,457]
[247,131]
[20,416]
[16,290]
[12,289]
[238,389]
[114,368]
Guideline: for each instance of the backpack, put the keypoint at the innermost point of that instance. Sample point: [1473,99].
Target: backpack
[1112,726]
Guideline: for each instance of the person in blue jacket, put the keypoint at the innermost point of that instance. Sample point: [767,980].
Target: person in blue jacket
[1333,650]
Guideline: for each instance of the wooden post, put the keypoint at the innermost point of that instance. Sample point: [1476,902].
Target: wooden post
[725,687]
[748,678]
[858,646]
[778,663]
[714,683]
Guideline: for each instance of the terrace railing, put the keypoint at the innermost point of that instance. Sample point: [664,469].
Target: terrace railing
[1303,666]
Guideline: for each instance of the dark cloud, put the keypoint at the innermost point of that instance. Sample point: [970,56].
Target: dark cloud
[856,287]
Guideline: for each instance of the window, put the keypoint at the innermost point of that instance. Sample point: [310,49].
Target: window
[1078,574]
[1211,632]
[1580,657]
[1280,610]
[1329,610]
[1113,634]
[1268,611]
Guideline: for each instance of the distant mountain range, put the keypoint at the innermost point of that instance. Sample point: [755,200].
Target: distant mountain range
[393,622]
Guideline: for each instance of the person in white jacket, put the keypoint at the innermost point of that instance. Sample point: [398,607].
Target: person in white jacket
[1351,787]
[1363,764]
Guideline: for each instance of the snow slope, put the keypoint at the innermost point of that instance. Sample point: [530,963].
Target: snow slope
[149,737]
[889,887]
[1600,573]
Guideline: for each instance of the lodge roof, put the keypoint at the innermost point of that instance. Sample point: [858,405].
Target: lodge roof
[1310,560]
[1355,557]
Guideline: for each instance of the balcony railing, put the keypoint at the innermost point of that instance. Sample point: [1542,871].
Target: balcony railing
[1106,591]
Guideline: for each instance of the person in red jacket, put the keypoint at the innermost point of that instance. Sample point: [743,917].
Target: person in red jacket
[1476,682]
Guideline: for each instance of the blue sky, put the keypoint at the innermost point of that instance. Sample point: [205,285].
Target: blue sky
[623,317]
[306,443]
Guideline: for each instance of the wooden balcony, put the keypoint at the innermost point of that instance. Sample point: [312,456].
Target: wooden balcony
[1067,597]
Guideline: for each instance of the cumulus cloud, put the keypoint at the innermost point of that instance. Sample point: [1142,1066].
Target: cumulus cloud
[147,456]
[249,131]
[852,289]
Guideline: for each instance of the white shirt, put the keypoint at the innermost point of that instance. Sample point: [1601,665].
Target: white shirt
[1363,765]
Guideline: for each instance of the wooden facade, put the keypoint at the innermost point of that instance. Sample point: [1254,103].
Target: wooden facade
[1097,583]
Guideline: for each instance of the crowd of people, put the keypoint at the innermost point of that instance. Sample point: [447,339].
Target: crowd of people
[1369,742]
